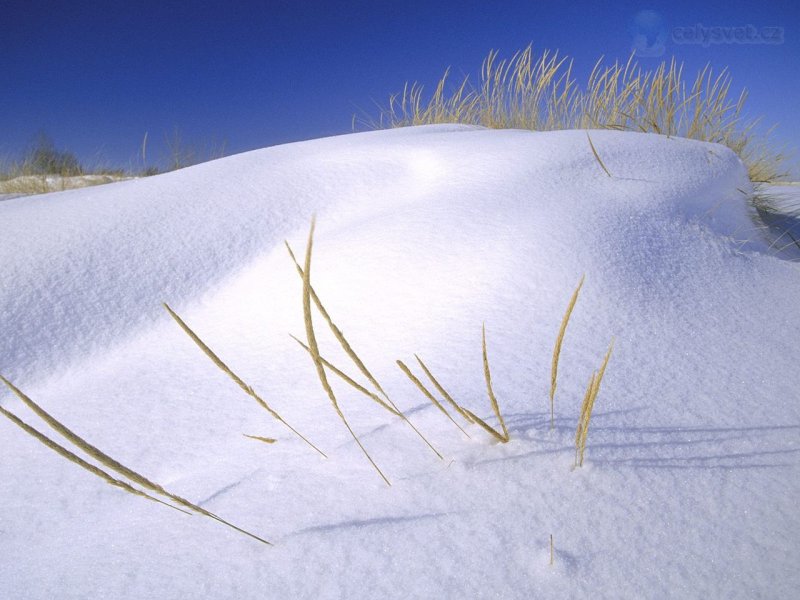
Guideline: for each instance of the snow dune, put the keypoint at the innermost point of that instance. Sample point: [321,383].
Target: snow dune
[423,234]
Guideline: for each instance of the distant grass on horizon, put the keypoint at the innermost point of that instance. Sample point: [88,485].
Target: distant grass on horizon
[540,93]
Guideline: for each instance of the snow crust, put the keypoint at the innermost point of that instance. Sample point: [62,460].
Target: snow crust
[691,476]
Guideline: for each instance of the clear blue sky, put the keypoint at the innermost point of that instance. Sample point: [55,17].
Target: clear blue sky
[95,76]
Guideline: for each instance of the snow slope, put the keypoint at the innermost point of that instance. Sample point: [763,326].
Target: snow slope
[423,234]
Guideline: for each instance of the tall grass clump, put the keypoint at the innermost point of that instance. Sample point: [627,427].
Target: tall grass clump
[540,93]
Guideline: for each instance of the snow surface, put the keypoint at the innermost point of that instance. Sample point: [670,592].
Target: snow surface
[690,483]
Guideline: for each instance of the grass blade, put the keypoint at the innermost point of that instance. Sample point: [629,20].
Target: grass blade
[354,357]
[225,369]
[596,155]
[314,349]
[114,465]
[347,379]
[427,394]
[487,375]
[489,429]
[586,408]
[442,391]
[266,440]
[74,458]
[557,349]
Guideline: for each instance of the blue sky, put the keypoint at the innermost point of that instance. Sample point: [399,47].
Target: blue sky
[96,76]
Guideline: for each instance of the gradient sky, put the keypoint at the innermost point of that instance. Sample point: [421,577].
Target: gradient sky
[96,76]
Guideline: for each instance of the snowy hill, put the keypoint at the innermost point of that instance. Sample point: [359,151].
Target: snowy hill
[423,234]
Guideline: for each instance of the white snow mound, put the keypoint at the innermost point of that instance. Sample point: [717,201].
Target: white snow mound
[423,235]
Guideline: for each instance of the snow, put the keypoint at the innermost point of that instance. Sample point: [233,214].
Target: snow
[423,234]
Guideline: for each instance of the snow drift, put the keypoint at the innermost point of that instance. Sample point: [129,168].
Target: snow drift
[423,235]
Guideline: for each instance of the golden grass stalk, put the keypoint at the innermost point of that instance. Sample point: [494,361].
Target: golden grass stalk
[428,395]
[592,389]
[314,349]
[266,440]
[488,428]
[56,447]
[488,376]
[347,379]
[552,551]
[596,155]
[116,466]
[583,419]
[354,357]
[442,391]
[557,350]
[225,369]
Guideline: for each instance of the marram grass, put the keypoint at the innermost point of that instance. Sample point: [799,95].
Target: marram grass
[541,94]
[350,381]
[314,349]
[258,438]
[596,155]
[592,389]
[443,391]
[425,392]
[557,350]
[492,399]
[74,458]
[107,461]
[225,369]
[501,436]
[354,357]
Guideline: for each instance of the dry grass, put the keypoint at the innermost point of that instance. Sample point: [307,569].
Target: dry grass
[103,459]
[258,438]
[592,389]
[492,399]
[74,458]
[225,369]
[443,391]
[428,394]
[350,381]
[596,155]
[25,185]
[540,93]
[355,358]
[557,350]
[502,435]
[314,349]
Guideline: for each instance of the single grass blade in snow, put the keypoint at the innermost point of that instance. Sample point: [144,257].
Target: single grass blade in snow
[428,395]
[354,357]
[347,379]
[116,466]
[488,378]
[314,349]
[225,369]
[596,155]
[583,421]
[442,391]
[266,440]
[593,388]
[557,350]
[58,448]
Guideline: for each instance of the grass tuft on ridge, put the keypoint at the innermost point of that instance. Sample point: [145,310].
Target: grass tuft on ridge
[540,93]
